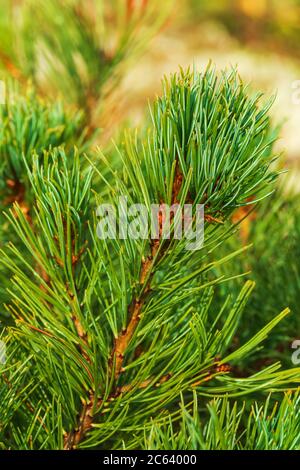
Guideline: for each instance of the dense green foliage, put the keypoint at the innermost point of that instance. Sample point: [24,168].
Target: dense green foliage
[141,343]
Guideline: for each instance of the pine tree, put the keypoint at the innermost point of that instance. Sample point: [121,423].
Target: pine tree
[126,342]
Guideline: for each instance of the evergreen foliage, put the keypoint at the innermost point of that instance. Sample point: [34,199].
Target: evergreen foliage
[30,125]
[231,427]
[131,343]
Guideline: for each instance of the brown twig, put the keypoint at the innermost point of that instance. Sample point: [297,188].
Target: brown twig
[127,388]
[135,310]
[82,335]
[136,306]
[123,340]
[210,219]
[85,421]
[213,371]
[73,438]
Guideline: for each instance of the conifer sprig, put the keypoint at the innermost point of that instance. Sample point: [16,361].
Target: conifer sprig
[30,125]
[121,328]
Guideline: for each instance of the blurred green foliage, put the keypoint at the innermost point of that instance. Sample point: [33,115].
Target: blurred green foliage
[266,24]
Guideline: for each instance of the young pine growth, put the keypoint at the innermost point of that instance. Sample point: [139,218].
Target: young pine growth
[111,333]
[30,125]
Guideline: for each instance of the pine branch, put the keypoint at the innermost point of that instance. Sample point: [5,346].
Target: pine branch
[105,384]
[147,266]
[135,311]
[73,439]
[30,124]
